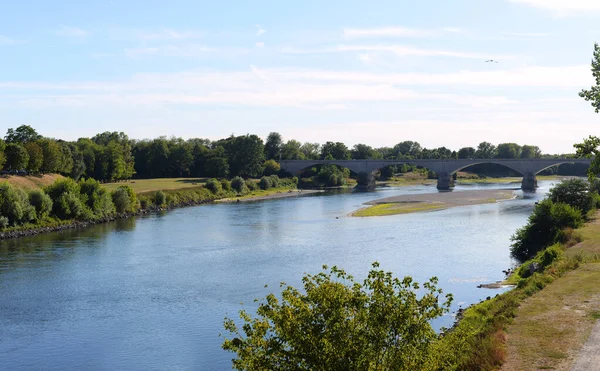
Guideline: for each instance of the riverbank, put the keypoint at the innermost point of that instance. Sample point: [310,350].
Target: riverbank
[431,201]
[270,195]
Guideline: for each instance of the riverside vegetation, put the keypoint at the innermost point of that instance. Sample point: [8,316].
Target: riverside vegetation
[382,324]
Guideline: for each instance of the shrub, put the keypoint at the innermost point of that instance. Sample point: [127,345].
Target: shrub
[265,183]
[61,204]
[238,185]
[573,192]
[226,185]
[251,185]
[3,222]
[14,205]
[96,198]
[543,228]
[274,181]
[213,185]
[271,167]
[384,320]
[124,199]
[159,198]
[41,202]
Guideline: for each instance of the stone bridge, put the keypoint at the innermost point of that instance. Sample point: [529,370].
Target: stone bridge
[528,168]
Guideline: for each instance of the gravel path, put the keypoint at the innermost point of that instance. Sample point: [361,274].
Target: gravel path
[589,356]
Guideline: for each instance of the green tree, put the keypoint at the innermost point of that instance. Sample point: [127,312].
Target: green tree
[180,158]
[22,134]
[17,157]
[311,151]
[14,205]
[96,198]
[573,192]
[41,202]
[271,167]
[216,164]
[590,149]
[466,152]
[273,146]
[2,154]
[335,151]
[485,150]
[593,95]
[364,152]
[36,156]
[246,155]
[336,323]
[52,155]
[508,150]
[407,149]
[292,150]
[528,151]
[66,201]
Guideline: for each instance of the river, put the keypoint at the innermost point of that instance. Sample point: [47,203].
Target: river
[151,292]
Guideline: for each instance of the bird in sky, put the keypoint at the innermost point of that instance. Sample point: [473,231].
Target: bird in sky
[491,61]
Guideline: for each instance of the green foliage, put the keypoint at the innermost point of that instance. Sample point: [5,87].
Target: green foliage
[41,202]
[159,198]
[331,176]
[96,198]
[335,151]
[271,167]
[543,228]
[22,134]
[213,185]
[273,146]
[274,181]
[265,183]
[336,323]
[63,192]
[124,199]
[251,185]
[14,205]
[4,222]
[238,185]
[17,157]
[36,156]
[590,149]
[573,192]
[593,95]
[226,185]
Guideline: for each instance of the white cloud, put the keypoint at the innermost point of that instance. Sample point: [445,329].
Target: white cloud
[5,40]
[72,32]
[399,50]
[169,51]
[563,6]
[169,34]
[399,32]
[260,30]
[259,45]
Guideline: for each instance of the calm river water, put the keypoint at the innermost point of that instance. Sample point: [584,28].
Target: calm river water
[152,292]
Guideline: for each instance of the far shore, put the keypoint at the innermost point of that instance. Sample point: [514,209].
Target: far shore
[432,201]
[275,195]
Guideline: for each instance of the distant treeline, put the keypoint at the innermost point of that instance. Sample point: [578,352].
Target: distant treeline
[112,156]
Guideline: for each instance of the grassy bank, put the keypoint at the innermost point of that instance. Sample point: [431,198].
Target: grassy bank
[543,321]
[30,182]
[148,185]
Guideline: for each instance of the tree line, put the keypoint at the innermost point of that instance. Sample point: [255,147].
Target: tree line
[113,156]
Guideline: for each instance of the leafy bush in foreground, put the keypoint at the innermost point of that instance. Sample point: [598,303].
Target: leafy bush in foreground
[14,205]
[41,202]
[124,199]
[238,184]
[213,185]
[573,192]
[335,323]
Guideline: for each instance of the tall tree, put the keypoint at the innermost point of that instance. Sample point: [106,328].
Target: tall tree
[593,95]
[22,134]
[335,151]
[16,156]
[364,152]
[2,154]
[311,150]
[485,150]
[407,149]
[292,150]
[273,146]
[508,150]
[528,151]
[52,155]
[36,156]
[466,152]
[246,155]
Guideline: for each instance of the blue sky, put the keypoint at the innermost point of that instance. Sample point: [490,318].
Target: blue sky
[376,72]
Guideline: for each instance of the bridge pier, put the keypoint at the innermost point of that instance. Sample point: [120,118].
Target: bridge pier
[529,182]
[445,181]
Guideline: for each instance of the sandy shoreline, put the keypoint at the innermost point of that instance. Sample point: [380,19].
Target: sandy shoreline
[450,198]
[283,194]
[432,201]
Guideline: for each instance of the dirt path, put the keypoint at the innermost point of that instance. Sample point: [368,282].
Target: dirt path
[589,357]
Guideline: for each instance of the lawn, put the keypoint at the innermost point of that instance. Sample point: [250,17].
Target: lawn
[147,185]
[30,182]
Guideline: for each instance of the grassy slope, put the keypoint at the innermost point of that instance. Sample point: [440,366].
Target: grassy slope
[148,185]
[551,326]
[30,182]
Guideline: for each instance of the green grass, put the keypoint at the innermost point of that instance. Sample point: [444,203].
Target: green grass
[148,185]
[397,208]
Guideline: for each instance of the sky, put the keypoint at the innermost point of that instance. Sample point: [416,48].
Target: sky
[377,72]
